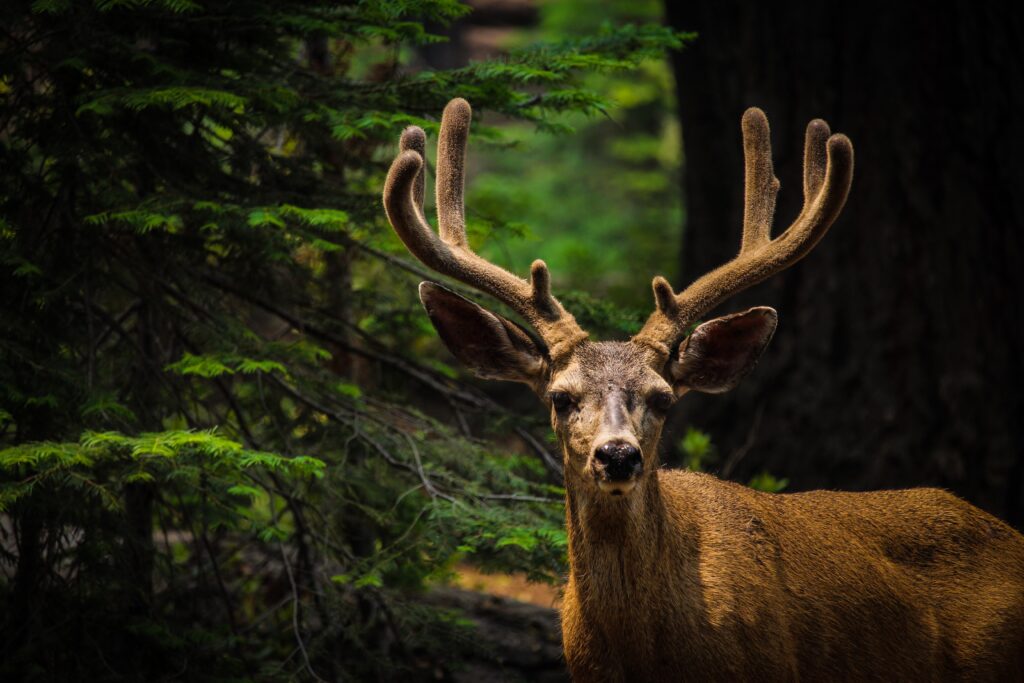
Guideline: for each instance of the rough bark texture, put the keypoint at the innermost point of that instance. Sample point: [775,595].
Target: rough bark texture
[897,358]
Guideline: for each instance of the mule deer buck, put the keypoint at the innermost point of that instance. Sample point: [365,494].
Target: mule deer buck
[676,575]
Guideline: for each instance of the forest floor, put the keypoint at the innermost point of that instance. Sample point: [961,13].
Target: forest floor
[513,641]
[516,626]
[514,586]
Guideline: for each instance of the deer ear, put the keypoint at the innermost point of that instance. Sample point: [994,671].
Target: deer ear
[717,355]
[488,344]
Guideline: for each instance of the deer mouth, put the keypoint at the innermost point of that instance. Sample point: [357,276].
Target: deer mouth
[617,488]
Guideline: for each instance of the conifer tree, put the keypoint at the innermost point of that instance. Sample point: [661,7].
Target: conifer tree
[218,455]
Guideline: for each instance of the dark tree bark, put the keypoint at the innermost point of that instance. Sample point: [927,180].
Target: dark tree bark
[897,360]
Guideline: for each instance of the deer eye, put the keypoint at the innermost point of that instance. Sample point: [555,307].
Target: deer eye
[562,400]
[661,401]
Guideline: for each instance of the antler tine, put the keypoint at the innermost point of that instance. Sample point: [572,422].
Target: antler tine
[760,184]
[448,253]
[828,171]
[415,139]
[451,165]
[815,159]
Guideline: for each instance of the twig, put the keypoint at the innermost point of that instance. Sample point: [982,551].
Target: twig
[295,614]
[427,484]
[553,466]
[519,497]
[460,418]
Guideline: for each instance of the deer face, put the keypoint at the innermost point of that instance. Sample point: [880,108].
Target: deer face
[608,400]
[608,405]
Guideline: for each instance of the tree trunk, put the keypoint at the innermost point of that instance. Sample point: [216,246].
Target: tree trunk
[897,359]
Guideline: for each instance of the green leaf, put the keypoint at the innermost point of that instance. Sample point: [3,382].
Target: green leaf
[26,269]
[520,538]
[697,447]
[105,405]
[350,390]
[245,490]
[272,533]
[202,366]
[250,366]
[263,217]
[373,580]
[51,6]
[768,483]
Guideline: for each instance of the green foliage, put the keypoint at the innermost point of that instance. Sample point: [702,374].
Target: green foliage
[767,483]
[696,445]
[602,204]
[699,455]
[97,470]
[220,454]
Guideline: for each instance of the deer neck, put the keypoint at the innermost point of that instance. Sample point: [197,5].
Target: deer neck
[617,542]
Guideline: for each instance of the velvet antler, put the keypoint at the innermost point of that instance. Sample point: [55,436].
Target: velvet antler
[448,253]
[828,170]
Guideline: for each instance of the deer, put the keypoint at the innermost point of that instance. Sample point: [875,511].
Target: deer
[677,575]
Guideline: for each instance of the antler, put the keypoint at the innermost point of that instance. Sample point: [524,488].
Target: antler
[449,252]
[828,170]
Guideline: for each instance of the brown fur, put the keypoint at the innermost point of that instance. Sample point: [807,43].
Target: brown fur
[678,576]
[692,578]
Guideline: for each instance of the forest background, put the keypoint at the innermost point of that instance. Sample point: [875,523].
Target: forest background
[231,445]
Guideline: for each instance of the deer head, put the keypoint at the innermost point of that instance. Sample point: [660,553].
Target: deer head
[608,400]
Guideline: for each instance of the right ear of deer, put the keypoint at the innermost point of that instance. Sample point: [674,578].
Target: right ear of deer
[828,171]
[448,253]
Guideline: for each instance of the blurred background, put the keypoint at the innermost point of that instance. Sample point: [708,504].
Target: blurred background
[232,446]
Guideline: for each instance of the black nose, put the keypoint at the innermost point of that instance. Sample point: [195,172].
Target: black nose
[621,460]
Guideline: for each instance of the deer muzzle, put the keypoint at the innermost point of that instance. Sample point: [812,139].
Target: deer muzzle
[617,465]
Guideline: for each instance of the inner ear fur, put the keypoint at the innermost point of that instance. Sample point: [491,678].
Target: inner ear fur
[491,346]
[720,352]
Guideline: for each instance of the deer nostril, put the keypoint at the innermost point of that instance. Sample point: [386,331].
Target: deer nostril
[621,460]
